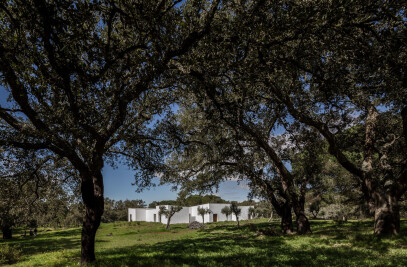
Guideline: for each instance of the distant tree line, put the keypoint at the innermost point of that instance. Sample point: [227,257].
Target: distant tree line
[191,200]
[118,210]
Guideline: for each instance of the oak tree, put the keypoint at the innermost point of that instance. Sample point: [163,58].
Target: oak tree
[85,79]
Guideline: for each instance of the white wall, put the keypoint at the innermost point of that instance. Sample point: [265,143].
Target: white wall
[150,215]
[198,217]
[131,215]
[192,214]
[181,216]
[163,219]
[244,215]
[140,214]
[216,209]
[187,214]
[137,214]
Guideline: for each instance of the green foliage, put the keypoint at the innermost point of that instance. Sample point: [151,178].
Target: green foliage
[235,209]
[36,189]
[191,200]
[315,207]
[168,213]
[261,212]
[195,200]
[163,202]
[263,209]
[84,81]
[118,210]
[227,211]
[32,223]
[9,254]
[162,211]
[74,218]
[269,92]
[202,211]
[247,203]
[333,191]
[265,91]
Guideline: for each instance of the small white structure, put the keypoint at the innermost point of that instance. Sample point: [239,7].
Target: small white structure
[187,214]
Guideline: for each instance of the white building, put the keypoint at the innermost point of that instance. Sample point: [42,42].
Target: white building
[187,214]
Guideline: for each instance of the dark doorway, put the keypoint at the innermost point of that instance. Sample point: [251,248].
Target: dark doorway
[131,219]
[215,217]
[155,217]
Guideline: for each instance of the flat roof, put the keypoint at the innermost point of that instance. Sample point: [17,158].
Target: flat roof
[190,206]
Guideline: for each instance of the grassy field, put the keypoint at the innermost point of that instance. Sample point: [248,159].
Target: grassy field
[221,244]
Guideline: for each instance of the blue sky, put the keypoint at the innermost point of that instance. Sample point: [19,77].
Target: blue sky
[118,181]
[118,186]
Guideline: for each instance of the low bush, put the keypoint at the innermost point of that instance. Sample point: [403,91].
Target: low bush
[9,254]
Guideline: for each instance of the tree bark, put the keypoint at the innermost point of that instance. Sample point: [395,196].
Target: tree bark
[386,215]
[7,232]
[286,219]
[168,223]
[303,226]
[271,217]
[92,195]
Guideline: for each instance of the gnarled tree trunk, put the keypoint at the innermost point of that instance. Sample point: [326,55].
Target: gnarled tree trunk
[386,215]
[7,232]
[286,219]
[92,195]
[303,226]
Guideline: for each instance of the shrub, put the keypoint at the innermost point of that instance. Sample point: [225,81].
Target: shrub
[9,254]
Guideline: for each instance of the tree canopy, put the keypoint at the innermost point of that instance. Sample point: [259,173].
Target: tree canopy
[305,100]
[85,79]
[300,66]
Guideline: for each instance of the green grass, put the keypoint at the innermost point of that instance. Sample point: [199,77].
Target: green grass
[221,244]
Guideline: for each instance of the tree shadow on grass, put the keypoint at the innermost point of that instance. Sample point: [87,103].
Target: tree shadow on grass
[245,227]
[47,242]
[205,250]
[356,234]
[229,249]
[360,234]
[226,245]
[62,233]
[37,245]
